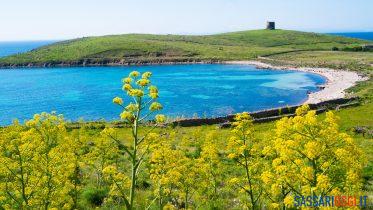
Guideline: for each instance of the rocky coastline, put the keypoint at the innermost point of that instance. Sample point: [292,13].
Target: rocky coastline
[109,62]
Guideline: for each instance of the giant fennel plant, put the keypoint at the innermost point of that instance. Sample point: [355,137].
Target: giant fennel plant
[143,95]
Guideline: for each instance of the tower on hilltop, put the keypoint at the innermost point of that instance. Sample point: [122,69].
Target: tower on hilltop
[270,25]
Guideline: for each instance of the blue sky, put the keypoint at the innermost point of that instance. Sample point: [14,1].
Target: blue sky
[62,19]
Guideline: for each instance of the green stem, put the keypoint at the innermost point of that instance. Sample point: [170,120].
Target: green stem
[134,155]
[160,198]
[186,199]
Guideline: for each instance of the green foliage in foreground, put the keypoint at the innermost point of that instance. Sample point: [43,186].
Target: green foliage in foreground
[135,48]
[249,166]
[196,167]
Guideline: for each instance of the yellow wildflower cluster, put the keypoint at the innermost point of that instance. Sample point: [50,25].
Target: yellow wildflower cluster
[244,149]
[306,156]
[118,101]
[153,92]
[312,157]
[36,163]
[139,88]
[160,118]
[155,106]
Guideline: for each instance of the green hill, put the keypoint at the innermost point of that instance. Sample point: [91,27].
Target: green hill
[144,48]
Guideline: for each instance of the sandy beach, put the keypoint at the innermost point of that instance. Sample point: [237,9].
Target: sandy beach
[337,80]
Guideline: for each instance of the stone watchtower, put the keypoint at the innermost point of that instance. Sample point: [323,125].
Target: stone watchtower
[270,25]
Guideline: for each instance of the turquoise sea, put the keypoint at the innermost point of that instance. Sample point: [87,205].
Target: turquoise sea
[185,90]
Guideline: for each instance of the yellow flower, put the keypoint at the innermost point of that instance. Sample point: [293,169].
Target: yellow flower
[153,95]
[126,116]
[335,191]
[134,74]
[160,118]
[153,89]
[109,170]
[267,177]
[232,155]
[169,206]
[155,106]
[132,107]
[288,201]
[302,110]
[313,149]
[352,176]
[146,75]
[298,162]
[127,80]
[234,181]
[308,172]
[136,92]
[153,92]
[323,182]
[143,82]
[108,131]
[325,165]
[118,101]
[267,150]
[243,116]
[153,136]
[277,162]
[126,87]
[275,206]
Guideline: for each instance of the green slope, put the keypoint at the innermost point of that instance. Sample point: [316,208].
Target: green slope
[142,48]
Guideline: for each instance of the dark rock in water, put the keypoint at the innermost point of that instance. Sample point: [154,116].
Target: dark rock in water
[321,87]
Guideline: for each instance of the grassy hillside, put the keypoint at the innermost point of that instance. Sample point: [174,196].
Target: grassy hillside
[139,48]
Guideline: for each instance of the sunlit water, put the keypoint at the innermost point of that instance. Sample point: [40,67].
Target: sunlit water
[185,90]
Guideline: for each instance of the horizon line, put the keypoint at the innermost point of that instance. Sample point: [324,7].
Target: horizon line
[188,34]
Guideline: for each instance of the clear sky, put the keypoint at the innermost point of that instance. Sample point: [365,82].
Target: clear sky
[63,19]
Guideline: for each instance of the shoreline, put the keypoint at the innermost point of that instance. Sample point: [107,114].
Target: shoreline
[107,64]
[338,81]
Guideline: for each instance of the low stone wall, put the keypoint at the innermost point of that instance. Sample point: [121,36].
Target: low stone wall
[225,121]
[271,114]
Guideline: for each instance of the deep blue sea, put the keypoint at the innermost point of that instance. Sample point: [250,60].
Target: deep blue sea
[185,90]
[359,35]
[10,48]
